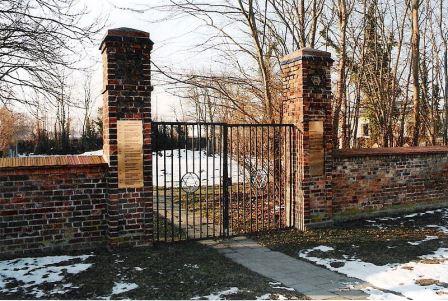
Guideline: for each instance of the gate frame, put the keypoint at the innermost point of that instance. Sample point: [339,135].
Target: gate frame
[291,138]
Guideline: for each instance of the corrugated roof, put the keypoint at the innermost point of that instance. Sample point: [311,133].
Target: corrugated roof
[51,161]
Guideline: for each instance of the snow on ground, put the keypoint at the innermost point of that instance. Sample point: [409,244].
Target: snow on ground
[428,238]
[28,273]
[376,294]
[191,266]
[400,278]
[122,287]
[264,297]
[425,278]
[439,227]
[322,249]
[443,211]
[284,288]
[219,295]
[210,169]
[93,153]
[271,297]
[278,285]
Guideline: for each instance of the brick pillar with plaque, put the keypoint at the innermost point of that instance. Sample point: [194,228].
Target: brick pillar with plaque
[307,104]
[127,136]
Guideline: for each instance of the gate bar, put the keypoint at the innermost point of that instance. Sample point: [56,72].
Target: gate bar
[225,180]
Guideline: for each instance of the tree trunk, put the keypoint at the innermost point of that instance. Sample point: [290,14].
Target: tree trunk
[340,98]
[445,63]
[415,45]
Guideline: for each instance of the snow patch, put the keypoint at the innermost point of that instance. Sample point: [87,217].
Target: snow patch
[264,297]
[399,278]
[442,229]
[122,287]
[412,215]
[278,285]
[219,295]
[428,238]
[320,248]
[376,294]
[34,271]
[271,297]
[284,288]
[191,266]
[93,153]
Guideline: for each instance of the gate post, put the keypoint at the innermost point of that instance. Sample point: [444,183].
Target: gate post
[307,105]
[127,136]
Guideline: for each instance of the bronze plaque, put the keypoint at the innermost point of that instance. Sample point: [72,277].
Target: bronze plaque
[130,153]
[316,148]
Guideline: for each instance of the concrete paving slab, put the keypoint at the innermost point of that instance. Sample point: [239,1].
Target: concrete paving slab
[314,281]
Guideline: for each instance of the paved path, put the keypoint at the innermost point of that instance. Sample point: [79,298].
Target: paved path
[306,278]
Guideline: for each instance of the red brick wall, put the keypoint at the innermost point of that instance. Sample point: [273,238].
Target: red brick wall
[44,208]
[373,180]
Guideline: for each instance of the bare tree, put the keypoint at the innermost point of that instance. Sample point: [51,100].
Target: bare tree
[38,37]
[343,8]
[87,103]
[383,73]
[249,38]
[62,126]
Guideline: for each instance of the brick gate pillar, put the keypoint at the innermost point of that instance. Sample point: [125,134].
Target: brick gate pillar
[127,135]
[307,104]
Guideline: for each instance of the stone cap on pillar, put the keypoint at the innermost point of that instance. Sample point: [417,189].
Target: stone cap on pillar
[306,53]
[126,33]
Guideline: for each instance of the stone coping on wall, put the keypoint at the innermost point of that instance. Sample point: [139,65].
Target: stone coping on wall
[50,161]
[390,151]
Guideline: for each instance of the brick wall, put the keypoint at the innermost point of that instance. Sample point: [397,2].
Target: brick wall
[370,181]
[60,204]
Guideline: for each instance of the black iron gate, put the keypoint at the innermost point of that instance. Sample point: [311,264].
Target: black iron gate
[215,179]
